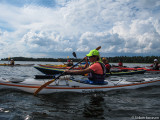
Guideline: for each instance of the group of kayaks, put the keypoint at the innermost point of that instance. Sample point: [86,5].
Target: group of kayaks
[77,83]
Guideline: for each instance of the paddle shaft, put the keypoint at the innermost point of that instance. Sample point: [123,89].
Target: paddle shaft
[49,82]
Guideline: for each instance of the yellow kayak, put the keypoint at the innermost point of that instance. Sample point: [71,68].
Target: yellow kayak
[4,64]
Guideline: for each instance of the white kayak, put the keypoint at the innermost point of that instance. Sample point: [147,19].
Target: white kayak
[30,85]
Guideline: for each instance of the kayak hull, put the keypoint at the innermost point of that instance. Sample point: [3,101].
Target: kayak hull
[31,85]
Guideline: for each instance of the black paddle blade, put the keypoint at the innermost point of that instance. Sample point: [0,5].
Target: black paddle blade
[74,54]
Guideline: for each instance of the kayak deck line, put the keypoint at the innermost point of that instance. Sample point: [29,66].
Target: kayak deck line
[103,86]
[27,86]
[60,67]
[56,69]
[78,87]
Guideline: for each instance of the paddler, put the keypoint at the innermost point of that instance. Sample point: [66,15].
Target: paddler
[120,64]
[12,62]
[69,63]
[96,71]
[107,65]
[155,65]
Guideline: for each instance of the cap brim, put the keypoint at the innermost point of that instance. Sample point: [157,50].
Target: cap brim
[89,55]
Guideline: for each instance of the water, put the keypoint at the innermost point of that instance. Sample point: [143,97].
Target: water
[112,105]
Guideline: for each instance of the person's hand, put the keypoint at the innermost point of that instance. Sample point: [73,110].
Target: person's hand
[68,71]
[86,59]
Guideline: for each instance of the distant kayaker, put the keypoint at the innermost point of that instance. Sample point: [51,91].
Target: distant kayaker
[69,63]
[120,64]
[155,65]
[96,71]
[12,62]
[107,65]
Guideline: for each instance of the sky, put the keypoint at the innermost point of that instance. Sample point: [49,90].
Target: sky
[56,28]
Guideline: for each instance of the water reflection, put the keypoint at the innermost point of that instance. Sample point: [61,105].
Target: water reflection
[95,108]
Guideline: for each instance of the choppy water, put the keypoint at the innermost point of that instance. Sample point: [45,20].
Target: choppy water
[141,103]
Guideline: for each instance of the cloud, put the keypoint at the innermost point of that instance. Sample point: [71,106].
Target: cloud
[38,28]
[105,39]
[142,36]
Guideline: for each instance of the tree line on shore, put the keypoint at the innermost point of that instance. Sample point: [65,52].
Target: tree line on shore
[116,59]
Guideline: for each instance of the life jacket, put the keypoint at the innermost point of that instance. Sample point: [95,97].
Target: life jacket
[12,63]
[97,78]
[120,64]
[155,66]
[108,67]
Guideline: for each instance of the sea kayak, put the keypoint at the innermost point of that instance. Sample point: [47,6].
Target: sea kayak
[136,68]
[4,64]
[30,85]
[61,66]
[52,71]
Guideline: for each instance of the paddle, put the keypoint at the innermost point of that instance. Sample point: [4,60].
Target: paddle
[74,54]
[49,82]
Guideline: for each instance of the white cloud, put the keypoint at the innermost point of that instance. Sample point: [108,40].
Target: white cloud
[121,26]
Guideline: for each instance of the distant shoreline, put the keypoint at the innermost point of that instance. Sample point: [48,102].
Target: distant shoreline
[124,59]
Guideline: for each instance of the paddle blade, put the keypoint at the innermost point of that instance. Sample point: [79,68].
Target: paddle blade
[98,48]
[43,86]
[74,54]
